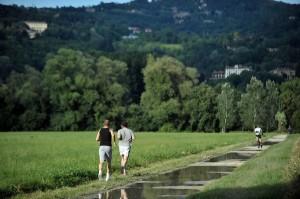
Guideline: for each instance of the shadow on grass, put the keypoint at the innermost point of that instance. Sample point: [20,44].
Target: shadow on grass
[259,192]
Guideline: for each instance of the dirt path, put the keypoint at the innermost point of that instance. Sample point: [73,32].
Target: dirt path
[186,181]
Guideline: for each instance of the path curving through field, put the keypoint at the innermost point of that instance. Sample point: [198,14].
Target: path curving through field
[183,182]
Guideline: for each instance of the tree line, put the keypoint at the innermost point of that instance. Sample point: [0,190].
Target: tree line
[242,32]
[77,91]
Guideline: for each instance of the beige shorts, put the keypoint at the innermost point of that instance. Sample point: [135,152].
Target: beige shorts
[124,150]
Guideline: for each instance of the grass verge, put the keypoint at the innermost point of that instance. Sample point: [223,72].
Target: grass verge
[266,176]
[293,173]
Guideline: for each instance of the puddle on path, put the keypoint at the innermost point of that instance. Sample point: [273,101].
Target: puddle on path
[230,156]
[182,182]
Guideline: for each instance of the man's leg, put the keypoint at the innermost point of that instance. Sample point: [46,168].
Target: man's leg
[108,165]
[122,163]
[100,170]
[260,142]
[125,159]
[101,160]
[108,170]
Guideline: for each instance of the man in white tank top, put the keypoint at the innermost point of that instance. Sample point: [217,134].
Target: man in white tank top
[125,136]
[258,134]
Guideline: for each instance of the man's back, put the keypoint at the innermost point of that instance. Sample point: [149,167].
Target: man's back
[258,131]
[125,136]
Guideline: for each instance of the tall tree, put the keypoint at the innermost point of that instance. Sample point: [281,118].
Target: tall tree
[6,106]
[28,100]
[164,77]
[290,102]
[251,106]
[84,90]
[271,105]
[226,107]
[281,120]
[200,108]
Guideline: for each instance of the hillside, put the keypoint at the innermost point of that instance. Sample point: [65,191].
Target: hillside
[152,63]
[206,30]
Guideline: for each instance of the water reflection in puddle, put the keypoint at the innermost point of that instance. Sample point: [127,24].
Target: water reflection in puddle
[230,156]
[179,183]
[175,184]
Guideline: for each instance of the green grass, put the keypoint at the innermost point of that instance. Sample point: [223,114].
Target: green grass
[42,161]
[266,176]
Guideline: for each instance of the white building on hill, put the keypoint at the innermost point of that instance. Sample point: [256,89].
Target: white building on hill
[35,27]
[236,69]
[287,73]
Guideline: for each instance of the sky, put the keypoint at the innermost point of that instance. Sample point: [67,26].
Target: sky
[76,3]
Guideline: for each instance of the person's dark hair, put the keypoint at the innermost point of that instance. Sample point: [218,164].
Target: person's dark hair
[124,123]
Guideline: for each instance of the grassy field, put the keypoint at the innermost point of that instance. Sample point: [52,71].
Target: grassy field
[42,161]
[275,173]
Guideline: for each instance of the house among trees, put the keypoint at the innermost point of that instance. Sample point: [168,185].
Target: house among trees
[218,74]
[134,30]
[35,27]
[287,73]
[90,10]
[236,69]
[130,36]
[148,30]
[292,18]
[272,50]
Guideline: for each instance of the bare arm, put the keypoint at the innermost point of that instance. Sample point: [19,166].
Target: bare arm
[132,135]
[98,136]
[119,135]
[112,136]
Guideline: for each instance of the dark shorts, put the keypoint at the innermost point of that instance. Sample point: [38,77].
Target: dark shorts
[258,136]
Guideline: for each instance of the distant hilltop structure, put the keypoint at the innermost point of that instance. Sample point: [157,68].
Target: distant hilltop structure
[218,74]
[236,69]
[286,73]
[135,31]
[35,28]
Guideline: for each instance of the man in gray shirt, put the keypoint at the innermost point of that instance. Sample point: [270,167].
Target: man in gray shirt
[125,136]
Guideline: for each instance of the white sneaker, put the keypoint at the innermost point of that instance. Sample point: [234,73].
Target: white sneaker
[107,177]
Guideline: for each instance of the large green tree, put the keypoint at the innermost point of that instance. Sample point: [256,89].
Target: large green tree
[281,120]
[84,90]
[251,105]
[164,80]
[290,102]
[27,105]
[200,108]
[6,107]
[271,105]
